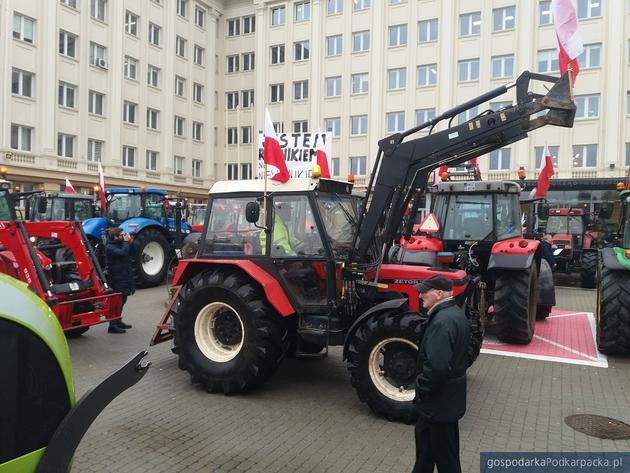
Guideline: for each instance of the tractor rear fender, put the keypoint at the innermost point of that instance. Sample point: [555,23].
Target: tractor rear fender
[398,305]
[276,296]
[515,253]
[138,224]
[94,226]
[610,260]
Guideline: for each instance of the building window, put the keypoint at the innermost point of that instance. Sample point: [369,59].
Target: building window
[131,23]
[426,75]
[587,106]
[152,118]
[129,112]
[180,46]
[334,7]
[22,83]
[198,93]
[232,172]
[182,8]
[300,126]
[153,76]
[95,103]
[278,15]
[277,93]
[23,28]
[249,61]
[300,90]
[334,167]
[69,3]
[427,31]
[66,95]
[627,154]
[232,63]
[333,126]
[95,151]
[396,78]
[585,156]
[500,159]
[544,13]
[21,137]
[197,131]
[627,103]
[180,86]
[200,17]
[360,83]
[334,45]
[470,24]
[246,135]
[360,4]
[246,171]
[360,41]
[468,70]
[502,66]
[233,27]
[468,115]
[231,100]
[503,19]
[395,122]
[97,9]
[196,168]
[179,128]
[249,24]
[65,145]
[538,153]
[97,55]
[154,34]
[248,98]
[152,160]
[358,125]
[277,54]
[232,135]
[198,54]
[548,60]
[178,165]
[301,50]
[302,11]
[589,8]
[130,68]
[129,157]
[358,165]
[397,35]
[67,44]
[423,115]
[333,86]
[591,56]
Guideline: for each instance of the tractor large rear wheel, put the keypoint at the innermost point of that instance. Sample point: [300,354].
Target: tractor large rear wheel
[382,358]
[151,258]
[589,269]
[226,335]
[515,299]
[613,312]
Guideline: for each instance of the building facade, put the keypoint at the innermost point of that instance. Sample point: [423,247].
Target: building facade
[182,102]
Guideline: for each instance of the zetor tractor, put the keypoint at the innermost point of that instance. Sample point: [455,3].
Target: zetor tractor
[613,290]
[142,213]
[575,247]
[305,264]
[479,224]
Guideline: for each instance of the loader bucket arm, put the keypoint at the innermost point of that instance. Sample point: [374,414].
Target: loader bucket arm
[402,167]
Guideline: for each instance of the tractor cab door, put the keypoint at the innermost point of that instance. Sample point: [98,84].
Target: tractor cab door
[154,207]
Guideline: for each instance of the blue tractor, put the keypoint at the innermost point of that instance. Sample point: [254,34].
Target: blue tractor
[142,213]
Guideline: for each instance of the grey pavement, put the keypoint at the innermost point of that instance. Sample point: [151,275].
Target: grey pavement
[308,417]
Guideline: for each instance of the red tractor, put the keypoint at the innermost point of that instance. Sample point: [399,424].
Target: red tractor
[305,264]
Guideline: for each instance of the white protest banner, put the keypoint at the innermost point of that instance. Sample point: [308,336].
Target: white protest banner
[299,151]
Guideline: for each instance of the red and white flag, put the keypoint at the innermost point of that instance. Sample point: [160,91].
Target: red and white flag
[272,153]
[322,157]
[545,173]
[101,184]
[69,187]
[570,44]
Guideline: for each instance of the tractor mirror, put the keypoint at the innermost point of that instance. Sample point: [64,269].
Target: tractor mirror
[252,212]
[543,210]
[605,211]
[42,205]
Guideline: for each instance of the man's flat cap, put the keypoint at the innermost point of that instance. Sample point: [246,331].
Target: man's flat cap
[435,282]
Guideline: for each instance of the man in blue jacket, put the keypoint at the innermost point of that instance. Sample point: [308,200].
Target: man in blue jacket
[119,272]
[441,378]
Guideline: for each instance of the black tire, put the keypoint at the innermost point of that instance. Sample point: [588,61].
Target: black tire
[262,332]
[613,312]
[515,298]
[76,332]
[476,335]
[146,272]
[589,269]
[543,311]
[376,331]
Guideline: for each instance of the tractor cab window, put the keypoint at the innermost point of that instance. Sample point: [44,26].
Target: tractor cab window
[572,225]
[5,206]
[294,232]
[57,209]
[229,233]
[626,227]
[468,217]
[198,216]
[154,206]
[508,216]
[124,206]
[339,215]
[82,210]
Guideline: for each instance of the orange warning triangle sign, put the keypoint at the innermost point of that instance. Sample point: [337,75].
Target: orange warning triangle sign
[430,224]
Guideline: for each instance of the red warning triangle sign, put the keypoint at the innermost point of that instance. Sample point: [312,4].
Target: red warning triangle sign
[430,224]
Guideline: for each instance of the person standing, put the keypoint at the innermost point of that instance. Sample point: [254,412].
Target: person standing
[441,378]
[546,246]
[119,272]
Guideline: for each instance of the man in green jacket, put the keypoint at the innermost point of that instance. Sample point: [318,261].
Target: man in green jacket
[441,378]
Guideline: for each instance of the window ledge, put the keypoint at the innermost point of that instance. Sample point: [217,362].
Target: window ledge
[96,115]
[23,98]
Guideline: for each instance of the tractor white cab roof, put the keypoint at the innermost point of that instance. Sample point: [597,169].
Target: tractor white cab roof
[258,185]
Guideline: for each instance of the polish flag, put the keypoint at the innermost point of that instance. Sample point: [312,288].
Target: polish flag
[322,156]
[544,175]
[101,184]
[69,187]
[272,154]
[570,44]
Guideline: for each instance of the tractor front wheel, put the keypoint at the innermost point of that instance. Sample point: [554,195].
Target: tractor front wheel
[226,335]
[589,269]
[515,300]
[382,358]
[613,312]
[151,251]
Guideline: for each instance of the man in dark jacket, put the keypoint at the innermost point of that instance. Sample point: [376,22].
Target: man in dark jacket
[441,378]
[546,247]
[119,272]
